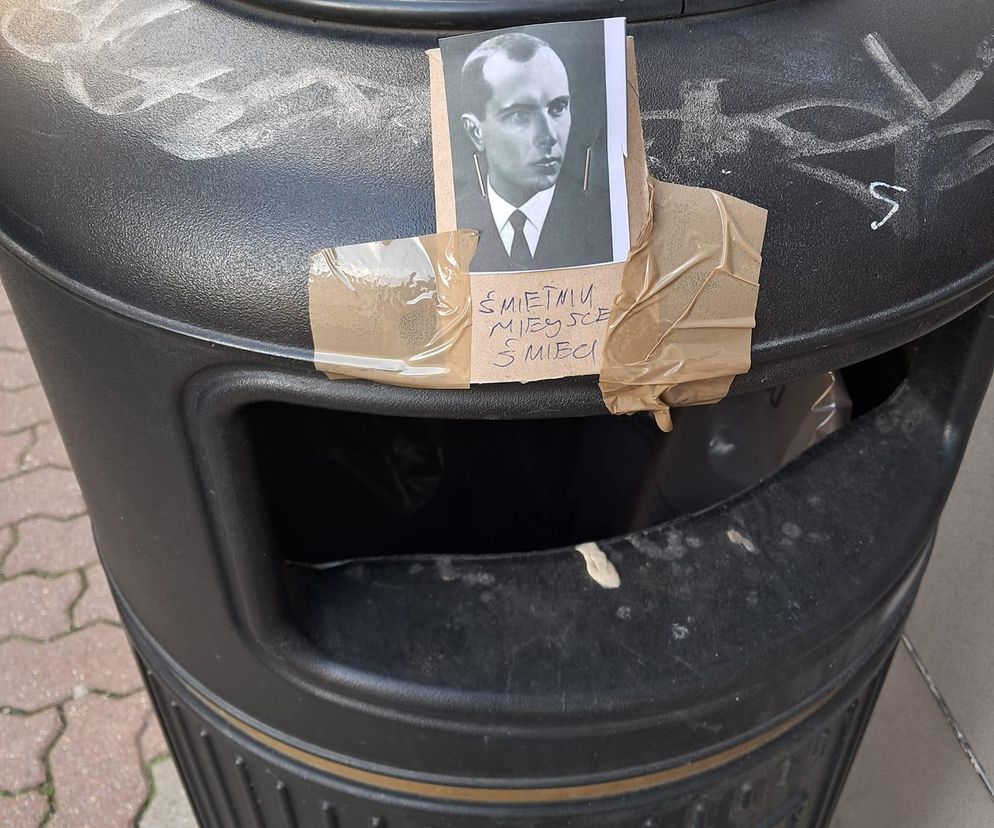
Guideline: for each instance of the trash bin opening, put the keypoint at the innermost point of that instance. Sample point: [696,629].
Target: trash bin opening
[873,381]
[340,485]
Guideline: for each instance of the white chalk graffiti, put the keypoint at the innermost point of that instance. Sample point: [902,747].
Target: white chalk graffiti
[708,135]
[95,25]
[223,111]
[205,107]
[894,206]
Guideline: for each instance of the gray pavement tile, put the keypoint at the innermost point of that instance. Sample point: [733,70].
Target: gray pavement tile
[910,771]
[169,807]
[951,621]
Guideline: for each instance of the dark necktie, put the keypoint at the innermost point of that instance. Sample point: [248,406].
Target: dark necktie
[521,256]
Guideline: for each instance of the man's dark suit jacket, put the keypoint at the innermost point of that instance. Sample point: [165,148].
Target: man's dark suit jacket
[577,229]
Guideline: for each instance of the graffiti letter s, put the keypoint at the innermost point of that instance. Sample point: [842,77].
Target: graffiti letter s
[894,206]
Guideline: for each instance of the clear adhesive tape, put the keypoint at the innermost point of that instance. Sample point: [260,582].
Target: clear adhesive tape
[397,312]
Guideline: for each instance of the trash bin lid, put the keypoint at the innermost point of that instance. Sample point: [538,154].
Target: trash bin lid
[178,163]
[465,14]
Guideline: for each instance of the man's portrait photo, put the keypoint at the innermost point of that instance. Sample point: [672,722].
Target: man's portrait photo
[537,158]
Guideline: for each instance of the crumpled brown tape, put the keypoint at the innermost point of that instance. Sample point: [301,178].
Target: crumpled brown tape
[397,312]
[681,326]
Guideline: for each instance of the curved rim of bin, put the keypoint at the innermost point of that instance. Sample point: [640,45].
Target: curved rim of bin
[466,15]
[479,790]
[772,362]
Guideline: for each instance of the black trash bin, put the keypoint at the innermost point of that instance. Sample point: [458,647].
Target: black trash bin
[360,605]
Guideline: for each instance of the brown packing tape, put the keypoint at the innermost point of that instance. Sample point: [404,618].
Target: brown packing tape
[670,326]
[397,312]
[573,304]
[681,327]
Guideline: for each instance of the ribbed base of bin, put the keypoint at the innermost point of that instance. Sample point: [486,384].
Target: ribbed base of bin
[237,776]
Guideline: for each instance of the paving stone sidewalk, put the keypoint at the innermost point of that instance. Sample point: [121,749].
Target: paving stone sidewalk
[79,743]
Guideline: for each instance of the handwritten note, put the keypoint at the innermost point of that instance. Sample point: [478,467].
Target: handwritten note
[540,325]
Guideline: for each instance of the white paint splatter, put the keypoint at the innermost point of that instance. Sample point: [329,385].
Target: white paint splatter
[679,631]
[445,568]
[478,579]
[448,573]
[736,537]
[598,566]
[791,530]
[674,549]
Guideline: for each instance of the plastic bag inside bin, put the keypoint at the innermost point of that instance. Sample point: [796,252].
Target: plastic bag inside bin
[722,449]
[394,485]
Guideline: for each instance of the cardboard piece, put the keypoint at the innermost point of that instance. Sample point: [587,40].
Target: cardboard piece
[543,324]
[397,312]
[681,326]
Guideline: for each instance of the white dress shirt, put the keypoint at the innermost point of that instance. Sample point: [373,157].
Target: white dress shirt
[535,210]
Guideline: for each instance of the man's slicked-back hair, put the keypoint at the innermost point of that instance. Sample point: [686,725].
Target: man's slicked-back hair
[516,46]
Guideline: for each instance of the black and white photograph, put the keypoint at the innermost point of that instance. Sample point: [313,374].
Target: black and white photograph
[537,121]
